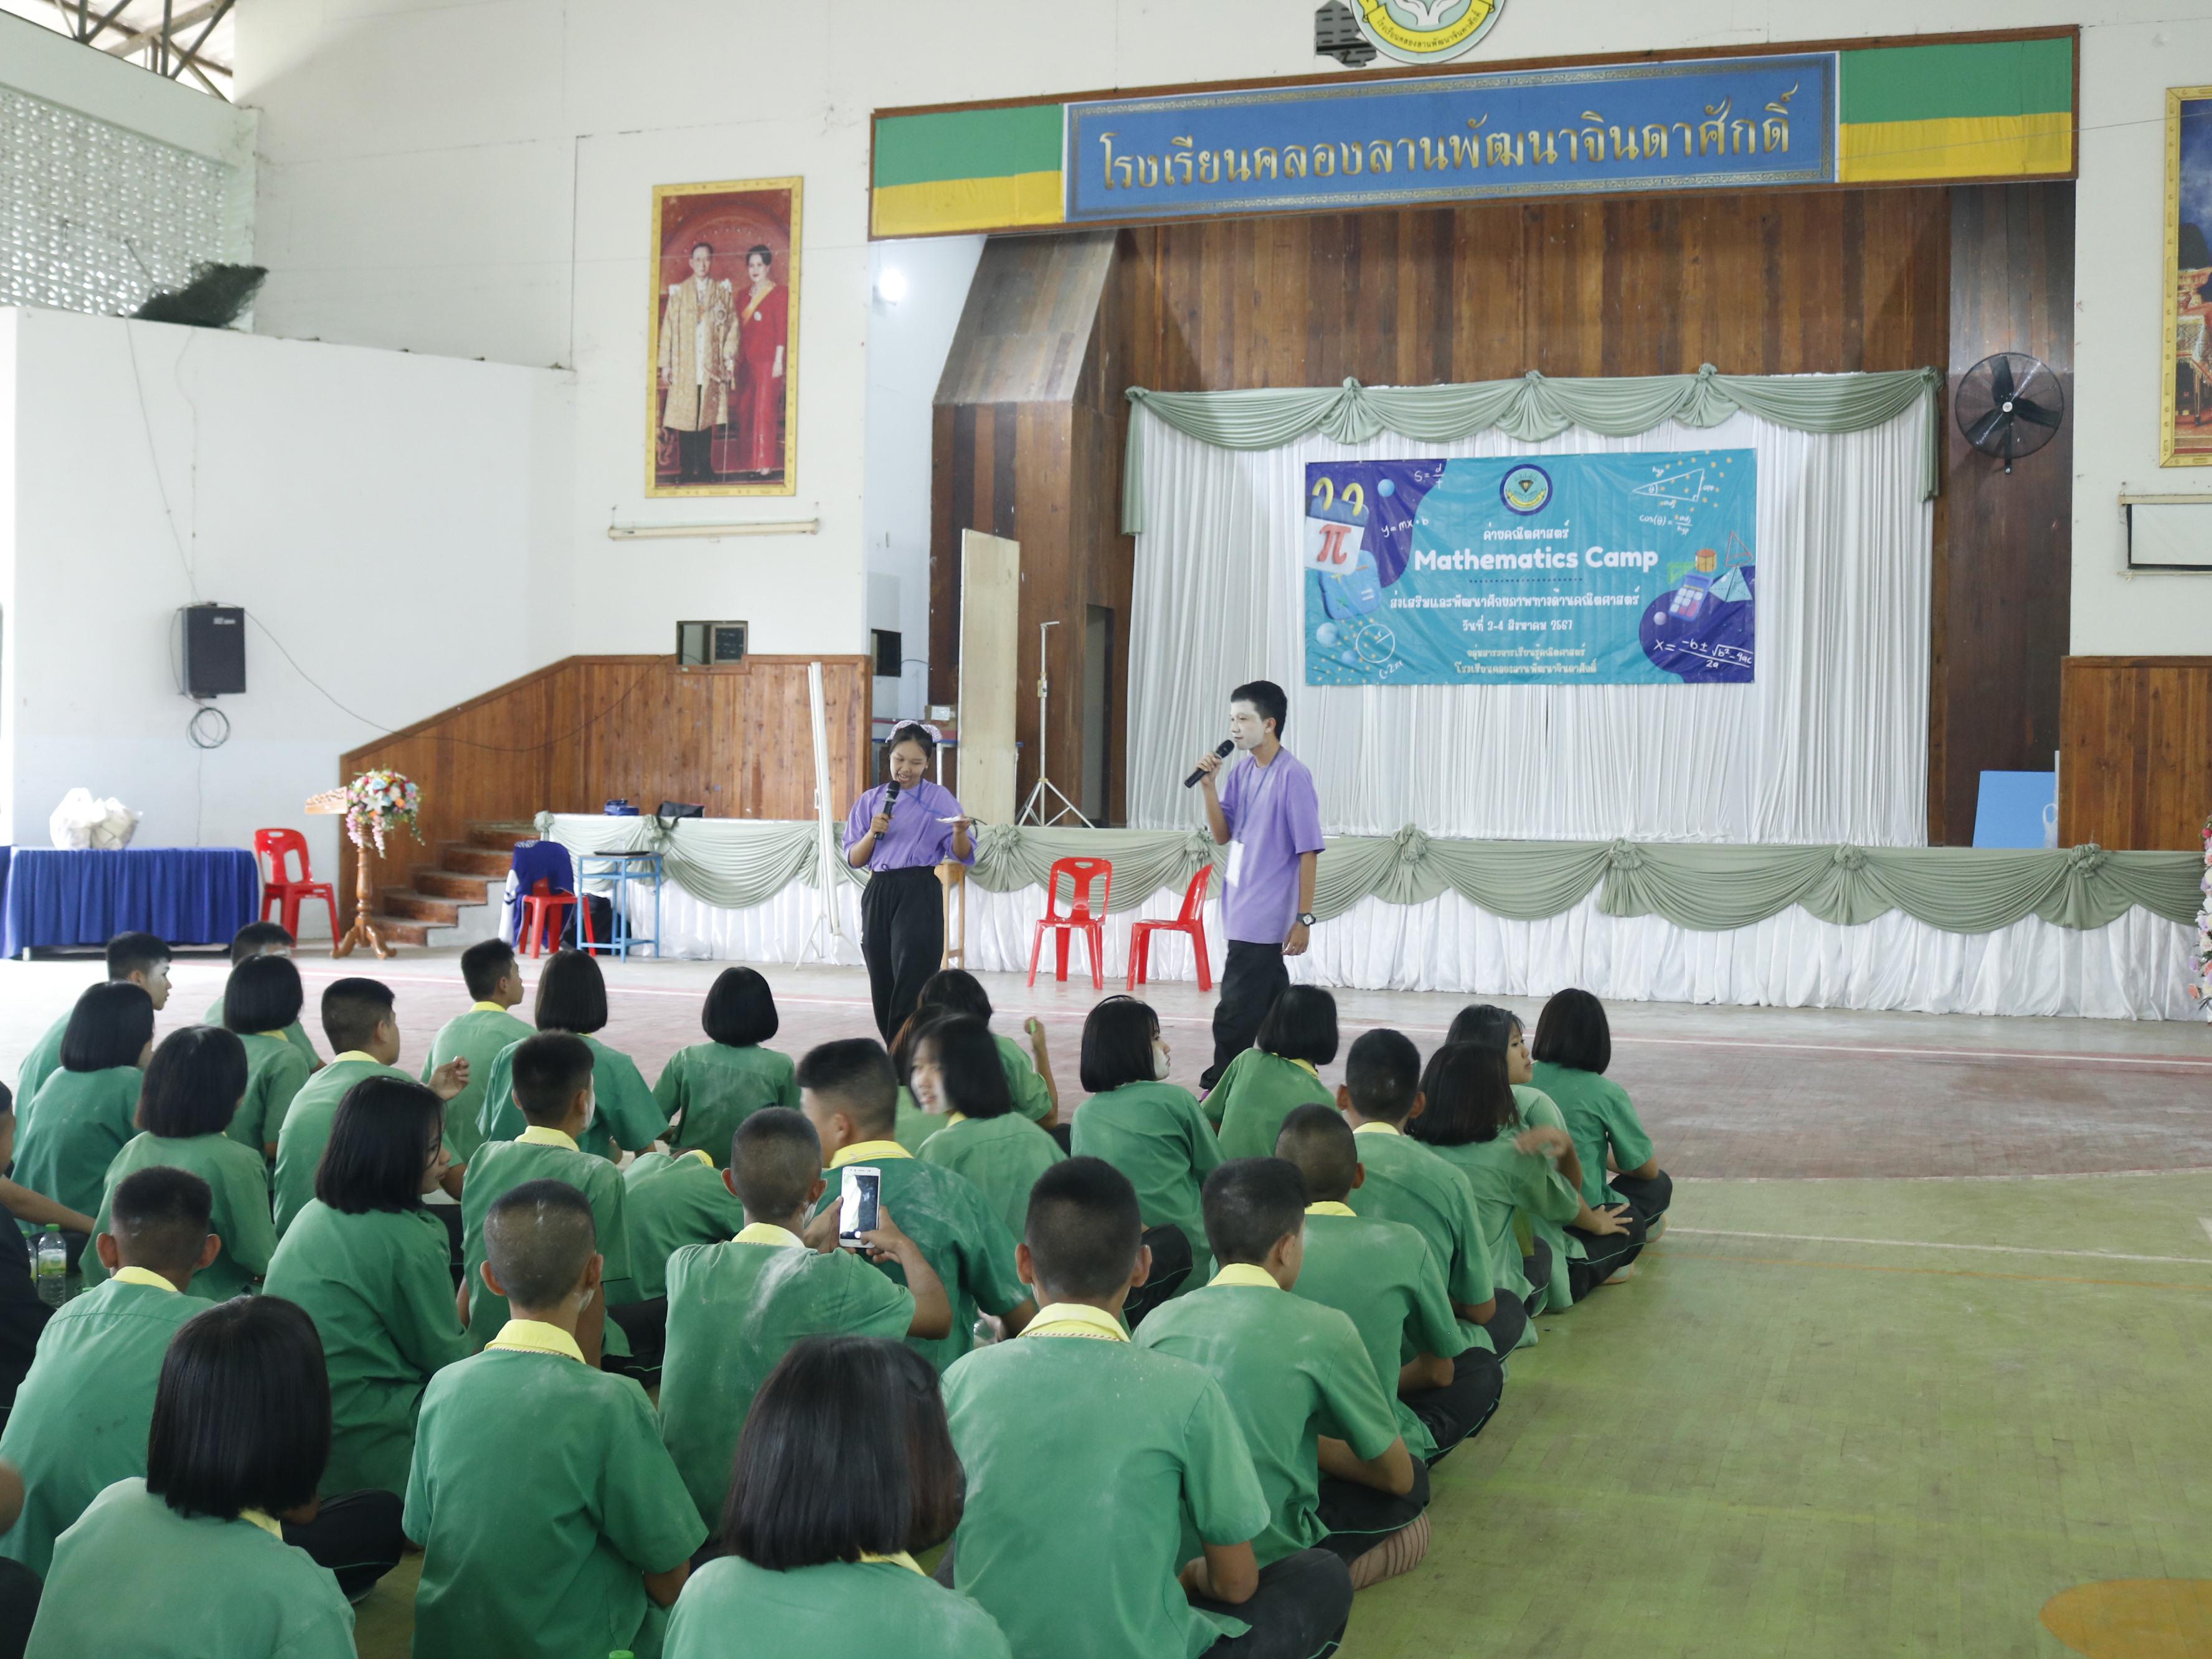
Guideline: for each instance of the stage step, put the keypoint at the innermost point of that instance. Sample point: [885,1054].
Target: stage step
[403,930]
[466,858]
[435,910]
[455,887]
[502,837]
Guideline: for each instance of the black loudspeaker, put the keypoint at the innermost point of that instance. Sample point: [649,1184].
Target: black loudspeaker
[214,650]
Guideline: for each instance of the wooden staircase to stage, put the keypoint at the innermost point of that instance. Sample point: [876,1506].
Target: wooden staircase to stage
[456,895]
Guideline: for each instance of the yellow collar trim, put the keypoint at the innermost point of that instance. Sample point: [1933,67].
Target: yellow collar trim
[951,1118]
[866,1152]
[539,1135]
[901,1559]
[263,1520]
[766,1232]
[696,1152]
[536,1336]
[1377,1129]
[142,1276]
[1330,1207]
[487,1007]
[1248,1273]
[1305,1066]
[1076,1319]
[355,1053]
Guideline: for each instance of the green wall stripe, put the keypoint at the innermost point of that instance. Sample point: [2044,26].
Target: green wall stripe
[1937,82]
[968,144]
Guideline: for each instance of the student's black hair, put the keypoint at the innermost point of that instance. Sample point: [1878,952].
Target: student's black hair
[740,1009]
[572,994]
[1117,1043]
[1382,1073]
[1267,701]
[484,964]
[1321,1143]
[1250,1203]
[352,1010]
[947,991]
[110,1026]
[538,1238]
[1084,1229]
[1484,1023]
[776,1158]
[193,1083]
[1573,1031]
[845,1451]
[380,1145]
[263,995]
[1300,1024]
[159,1217]
[134,953]
[909,731]
[251,940]
[1469,1097]
[854,1075]
[549,1070]
[242,1413]
[968,1064]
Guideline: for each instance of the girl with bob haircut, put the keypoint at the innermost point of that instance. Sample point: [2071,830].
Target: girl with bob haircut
[192,1087]
[955,1072]
[372,1267]
[845,1471]
[1278,1074]
[1028,1071]
[262,1004]
[1573,1048]
[85,1112]
[572,997]
[707,1090]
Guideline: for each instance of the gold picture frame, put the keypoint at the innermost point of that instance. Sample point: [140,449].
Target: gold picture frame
[735,426]
[2185,314]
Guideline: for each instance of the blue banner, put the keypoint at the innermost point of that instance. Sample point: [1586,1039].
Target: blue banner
[1635,569]
[1711,124]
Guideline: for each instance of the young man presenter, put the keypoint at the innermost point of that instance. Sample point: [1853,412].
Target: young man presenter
[1268,817]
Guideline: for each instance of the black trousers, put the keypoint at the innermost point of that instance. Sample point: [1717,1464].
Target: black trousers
[1457,1411]
[19,1608]
[901,939]
[1536,1268]
[1171,1266]
[1299,1611]
[1252,977]
[1360,1517]
[1509,1323]
[1606,1255]
[1649,1199]
[694,455]
[357,1536]
[646,1325]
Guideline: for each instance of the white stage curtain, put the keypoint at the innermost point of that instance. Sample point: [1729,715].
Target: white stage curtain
[1830,743]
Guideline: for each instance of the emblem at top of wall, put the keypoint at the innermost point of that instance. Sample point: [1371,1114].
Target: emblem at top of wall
[1409,31]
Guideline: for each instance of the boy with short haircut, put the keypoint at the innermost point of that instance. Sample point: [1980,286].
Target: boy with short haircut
[1067,1573]
[735,1308]
[550,1518]
[266,938]
[493,977]
[140,959]
[669,1199]
[850,1095]
[1299,1382]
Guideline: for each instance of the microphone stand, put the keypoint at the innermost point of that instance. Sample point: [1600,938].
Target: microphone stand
[1039,808]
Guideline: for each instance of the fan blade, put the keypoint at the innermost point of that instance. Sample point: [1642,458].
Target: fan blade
[2035,412]
[2000,379]
[1979,434]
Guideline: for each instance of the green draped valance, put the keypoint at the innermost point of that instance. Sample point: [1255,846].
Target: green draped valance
[736,864]
[1532,408]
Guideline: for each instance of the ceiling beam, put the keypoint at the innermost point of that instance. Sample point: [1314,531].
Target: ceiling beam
[183,20]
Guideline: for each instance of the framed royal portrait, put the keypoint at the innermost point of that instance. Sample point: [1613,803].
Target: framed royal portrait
[2185,425]
[722,363]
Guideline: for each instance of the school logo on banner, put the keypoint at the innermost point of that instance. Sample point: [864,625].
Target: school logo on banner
[1426,31]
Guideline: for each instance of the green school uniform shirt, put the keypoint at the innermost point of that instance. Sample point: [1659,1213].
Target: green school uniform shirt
[380,1288]
[541,1154]
[1031,1098]
[1510,1183]
[715,1087]
[1408,1183]
[1076,1514]
[295,1034]
[307,1129]
[1003,1155]
[77,1124]
[1599,1115]
[625,1117]
[542,1497]
[136,1577]
[671,1199]
[82,1413]
[275,1071]
[41,1063]
[871,1608]
[914,1126]
[1292,1370]
[1156,1134]
[1535,1109]
[734,1309]
[479,1037]
[1255,1093]
[239,1181]
[1380,1275]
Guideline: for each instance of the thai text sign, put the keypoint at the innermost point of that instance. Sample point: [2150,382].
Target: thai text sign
[1621,569]
[1715,122]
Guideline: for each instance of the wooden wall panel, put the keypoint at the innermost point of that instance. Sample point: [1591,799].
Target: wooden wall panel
[2137,737]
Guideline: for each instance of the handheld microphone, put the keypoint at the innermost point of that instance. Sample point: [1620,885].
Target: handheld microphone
[890,796]
[1220,749]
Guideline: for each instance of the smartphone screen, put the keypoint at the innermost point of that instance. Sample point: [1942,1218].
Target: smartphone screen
[858,1195]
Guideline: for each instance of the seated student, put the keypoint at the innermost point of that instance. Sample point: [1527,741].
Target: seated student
[846,1469]
[192,1085]
[735,1308]
[86,1110]
[572,997]
[80,1417]
[1335,1470]
[670,1200]
[219,1554]
[1276,1076]
[551,1521]
[494,979]
[254,942]
[263,999]
[371,1266]
[1381,1275]
[1153,1132]
[138,959]
[552,1074]
[1407,1184]
[850,1094]
[957,1075]
[23,1316]
[707,1090]
[1573,1048]
[364,1032]
[1028,1071]
[1066,1575]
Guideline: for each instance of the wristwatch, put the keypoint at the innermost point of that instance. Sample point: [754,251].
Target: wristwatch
[1306,918]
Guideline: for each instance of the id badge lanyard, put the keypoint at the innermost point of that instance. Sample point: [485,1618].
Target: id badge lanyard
[1235,872]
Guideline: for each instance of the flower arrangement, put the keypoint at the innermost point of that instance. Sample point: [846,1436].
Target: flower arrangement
[2200,992]
[376,801]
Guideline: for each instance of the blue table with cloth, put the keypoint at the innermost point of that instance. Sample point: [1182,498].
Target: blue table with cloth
[185,895]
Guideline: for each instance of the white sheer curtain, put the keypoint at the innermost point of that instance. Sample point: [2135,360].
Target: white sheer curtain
[1829,743]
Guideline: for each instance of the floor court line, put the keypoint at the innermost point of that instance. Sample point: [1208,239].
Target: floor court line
[1922,1244]
[1940,1272]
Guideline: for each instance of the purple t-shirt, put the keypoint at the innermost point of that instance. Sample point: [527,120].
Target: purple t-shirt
[1274,811]
[916,839]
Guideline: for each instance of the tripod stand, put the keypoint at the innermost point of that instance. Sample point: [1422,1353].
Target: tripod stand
[1040,809]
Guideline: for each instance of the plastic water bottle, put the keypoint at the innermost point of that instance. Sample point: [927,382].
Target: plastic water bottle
[50,1267]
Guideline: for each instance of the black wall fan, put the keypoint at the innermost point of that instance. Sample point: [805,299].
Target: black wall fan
[2009,405]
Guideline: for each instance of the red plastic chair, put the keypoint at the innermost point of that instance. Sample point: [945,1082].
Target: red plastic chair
[1190,920]
[1081,875]
[545,916]
[279,890]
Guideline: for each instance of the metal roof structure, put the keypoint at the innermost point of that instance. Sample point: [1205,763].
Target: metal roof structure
[188,41]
